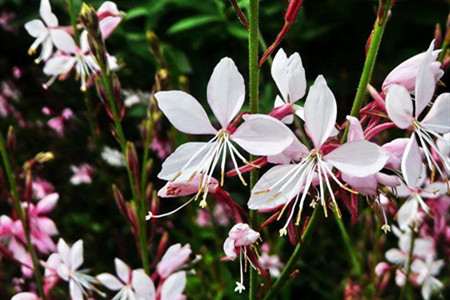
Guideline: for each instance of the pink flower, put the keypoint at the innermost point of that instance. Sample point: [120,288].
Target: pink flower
[161,147]
[270,262]
[41,188]
[25,296]
[287,182]
[110,17]
[240,237]
[174,258]
[81,174]
[258,135]
[131,284]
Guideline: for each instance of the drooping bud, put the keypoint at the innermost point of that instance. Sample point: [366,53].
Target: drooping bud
[44,157]
[11,139]
[132,159]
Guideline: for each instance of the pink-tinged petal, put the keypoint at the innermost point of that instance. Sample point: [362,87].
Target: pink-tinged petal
[293,152]
[6,225]
[289,75]
[438,118]
[182,155]
[434,190]
[47,204]
[63,41]
[64,251]
[181,188]
[108,25]
[25,296]
[279,102]
[387,180]
[320,112]
[174,286]
[59,65]
[262,135]
[259,201]
[143,285]
[355,131]
[122,270]
[47,225]
[363,185]
[184,112]
[443,145]
[229,249]
[360,158]
[395,256]
[226,91]
[35,28]
[425,82]
[108,7]
[412,163]
[407,213]
[399,106]
[76,292]
[76,255]
[174,258]
[395,149]
[109,281]
[46,14]
[52,264]
[405,73]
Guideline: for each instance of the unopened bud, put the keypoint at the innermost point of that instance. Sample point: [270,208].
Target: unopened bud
[132,159]
[292,11]
[119,200]
[118,96]
[162,245]
[44,157]
[437,36]
[28,185]
[183,82]
[153,43]
[11,139]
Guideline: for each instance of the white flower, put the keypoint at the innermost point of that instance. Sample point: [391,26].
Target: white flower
[427,270]
[113,157]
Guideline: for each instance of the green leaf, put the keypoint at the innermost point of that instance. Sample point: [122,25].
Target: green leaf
[193,22]
[238,31]
[136,13]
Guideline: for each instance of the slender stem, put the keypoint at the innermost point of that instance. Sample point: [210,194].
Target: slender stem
[298,251]
[444,48]
[254,108]
[408,266]
[369,64]
[348,245]
[20,213]
[73,20]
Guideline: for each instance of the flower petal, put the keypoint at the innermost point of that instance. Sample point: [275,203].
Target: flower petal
[143,285]
[355,131]
[184,112]
[108,24]
[289,75]
[395,256]
[407,213]
[262,135]
[226,91]
[174,286]
[63,41]
[320,112]
[122,270]
[25,296]
[76,292]
[425,81]
[229,249]
[76,255]
[293,152]
[399,106]
[47,203]
[35,28]
[178,159]
[109,281]
[64,251]
[59,65]
[412,163]
[46,14]
[360,158]
[438,118]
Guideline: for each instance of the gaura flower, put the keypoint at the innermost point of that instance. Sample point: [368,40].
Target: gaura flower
[259,135]
[113,157]
[174,258]
[131,284]
[81,174]
[427,270]
[270,262]
[239,240]
[45,32]
[405,114]
[25,296]
[289,76]
[286,182]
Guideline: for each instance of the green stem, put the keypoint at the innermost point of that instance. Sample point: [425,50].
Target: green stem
[408,266]
[444,48]
[348,245]
[73,20]
[254,108]
[298,251]
[369,64]
[21,215]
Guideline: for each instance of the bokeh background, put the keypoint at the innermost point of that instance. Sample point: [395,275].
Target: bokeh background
[330,36]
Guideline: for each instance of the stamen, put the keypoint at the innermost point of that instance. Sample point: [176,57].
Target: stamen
[150,215]
[251,165]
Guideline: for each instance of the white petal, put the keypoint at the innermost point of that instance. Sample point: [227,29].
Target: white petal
[438,118]
[412,163]
[360,158]
[430,286]
[47,49]
[64,251]
[423,247]
[299,111]
[143,285]
[59,65]
[110,281]
[262,135]
[184,112]
[25,296]
[63,41]
[226,91]
[76,293]
[407,213]
[63,272]
[177,160]
[425,81]
[434,190]
[47,203]
[259,201]
[355,131]
[399,106]
[174,286]
[320,112]
[122,270]
[35,28]
[293,152]
[76,255]
[46,14]
[395,256]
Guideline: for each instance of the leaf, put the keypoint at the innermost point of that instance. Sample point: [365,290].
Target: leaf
[193,22]
[136,13]
[238,31]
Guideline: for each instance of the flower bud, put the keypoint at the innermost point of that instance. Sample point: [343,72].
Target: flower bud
[132,159]
[44,157]
[292,11]
[153,44]
[437,36]
[11,139]
[119,200]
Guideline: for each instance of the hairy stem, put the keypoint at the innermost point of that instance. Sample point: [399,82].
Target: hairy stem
[21,215]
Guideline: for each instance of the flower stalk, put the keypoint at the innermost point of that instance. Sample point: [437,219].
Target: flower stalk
[21,215]
[405,288]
